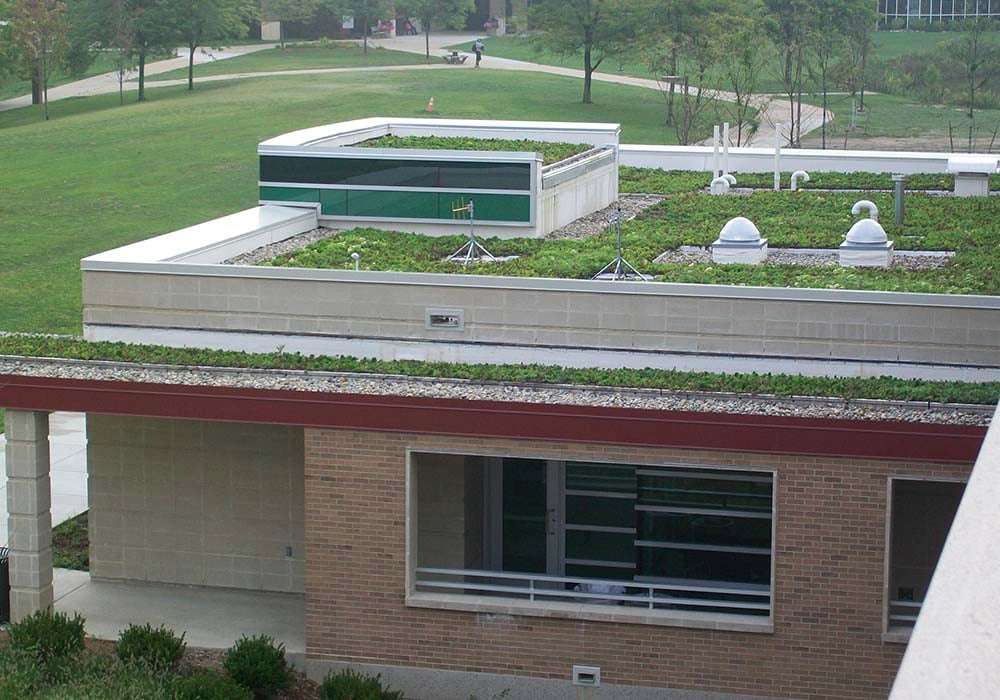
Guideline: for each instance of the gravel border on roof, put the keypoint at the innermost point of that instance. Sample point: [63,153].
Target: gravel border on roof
[394,385]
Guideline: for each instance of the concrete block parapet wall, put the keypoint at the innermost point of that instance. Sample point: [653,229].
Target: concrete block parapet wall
[281,306]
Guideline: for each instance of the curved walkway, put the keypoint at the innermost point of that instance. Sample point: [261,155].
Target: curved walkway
[771,112]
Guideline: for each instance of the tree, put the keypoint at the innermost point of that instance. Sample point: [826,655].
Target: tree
[977,59]
[365,12]
[154,25]
[787,25]
[861,18]
[8,53]
[202,20]
[826,38]
[40,31]
[744,56]
[121,46]
[449,14]
[672,23]
[282,11]
[598,28]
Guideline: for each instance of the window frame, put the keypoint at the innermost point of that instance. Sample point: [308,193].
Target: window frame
[512,606]
[899,634]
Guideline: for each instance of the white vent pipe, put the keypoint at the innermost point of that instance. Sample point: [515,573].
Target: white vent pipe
[865,204]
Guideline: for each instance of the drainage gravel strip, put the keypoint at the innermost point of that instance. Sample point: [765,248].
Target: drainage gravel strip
[395,385]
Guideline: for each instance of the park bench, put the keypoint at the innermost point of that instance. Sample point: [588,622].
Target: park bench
[455,58]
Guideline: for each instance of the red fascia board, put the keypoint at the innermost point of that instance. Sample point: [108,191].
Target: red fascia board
[679,429]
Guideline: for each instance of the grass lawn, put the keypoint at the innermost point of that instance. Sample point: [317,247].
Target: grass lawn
[71,544]
[16,87]
[98,175]
[903,117]
[101,64]
[332,55]
[887,45]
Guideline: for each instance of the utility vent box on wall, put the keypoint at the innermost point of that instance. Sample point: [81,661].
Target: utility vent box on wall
[587,675]
[444,319]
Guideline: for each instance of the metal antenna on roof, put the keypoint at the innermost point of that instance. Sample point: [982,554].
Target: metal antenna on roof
[619,268]
[472,251]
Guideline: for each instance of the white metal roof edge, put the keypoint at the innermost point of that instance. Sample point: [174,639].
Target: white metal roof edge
[188,241]
[305,137]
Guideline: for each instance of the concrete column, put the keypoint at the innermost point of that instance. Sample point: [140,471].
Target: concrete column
[29,517]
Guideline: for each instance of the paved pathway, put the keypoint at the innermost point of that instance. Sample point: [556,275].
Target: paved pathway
[108,82]
[771,111]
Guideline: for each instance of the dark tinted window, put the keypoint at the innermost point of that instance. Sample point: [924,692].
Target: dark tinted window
[395,173]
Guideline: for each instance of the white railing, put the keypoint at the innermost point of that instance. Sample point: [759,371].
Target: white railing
[903,613]
[665,594]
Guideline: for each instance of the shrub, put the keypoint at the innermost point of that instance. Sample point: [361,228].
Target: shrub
[101,677]
[205,685]
[19,674]
[351,685]
[48,635]
[257,663]
[158,647]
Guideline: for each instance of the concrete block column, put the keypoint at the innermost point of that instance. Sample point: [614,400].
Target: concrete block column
[29,516]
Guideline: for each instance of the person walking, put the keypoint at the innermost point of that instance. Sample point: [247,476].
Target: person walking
[478,47]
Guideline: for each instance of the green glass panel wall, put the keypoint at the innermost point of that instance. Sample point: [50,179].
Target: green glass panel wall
[396,204]
[395,173]
[334,202]
[289,194]
[491,207]
[388,204]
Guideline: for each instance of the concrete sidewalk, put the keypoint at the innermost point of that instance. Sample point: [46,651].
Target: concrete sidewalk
[211,618]
[68,469]
[108,82]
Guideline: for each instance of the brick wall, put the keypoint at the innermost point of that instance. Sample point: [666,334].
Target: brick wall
[195,502]
[829,545]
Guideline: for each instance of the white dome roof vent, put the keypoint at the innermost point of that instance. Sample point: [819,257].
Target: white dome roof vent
[867,232]
[739,230]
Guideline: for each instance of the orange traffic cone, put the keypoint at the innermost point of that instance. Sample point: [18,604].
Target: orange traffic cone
[430,105]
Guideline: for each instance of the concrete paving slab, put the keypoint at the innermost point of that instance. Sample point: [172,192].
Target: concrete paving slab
[212,618]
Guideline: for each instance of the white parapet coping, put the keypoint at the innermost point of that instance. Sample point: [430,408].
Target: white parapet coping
[350,132]
[761,160]
[972,163]
[212,241]
[954,651]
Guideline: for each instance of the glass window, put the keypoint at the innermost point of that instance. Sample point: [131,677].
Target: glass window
[395,173]
[921,515]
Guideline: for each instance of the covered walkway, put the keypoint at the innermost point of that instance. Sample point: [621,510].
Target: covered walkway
[211,618]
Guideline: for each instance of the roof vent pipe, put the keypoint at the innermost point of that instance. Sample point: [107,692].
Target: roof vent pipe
[865,204]
[725,148]
[720,185]
[799,175]
[898,184]
[715,151]
[777,157]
